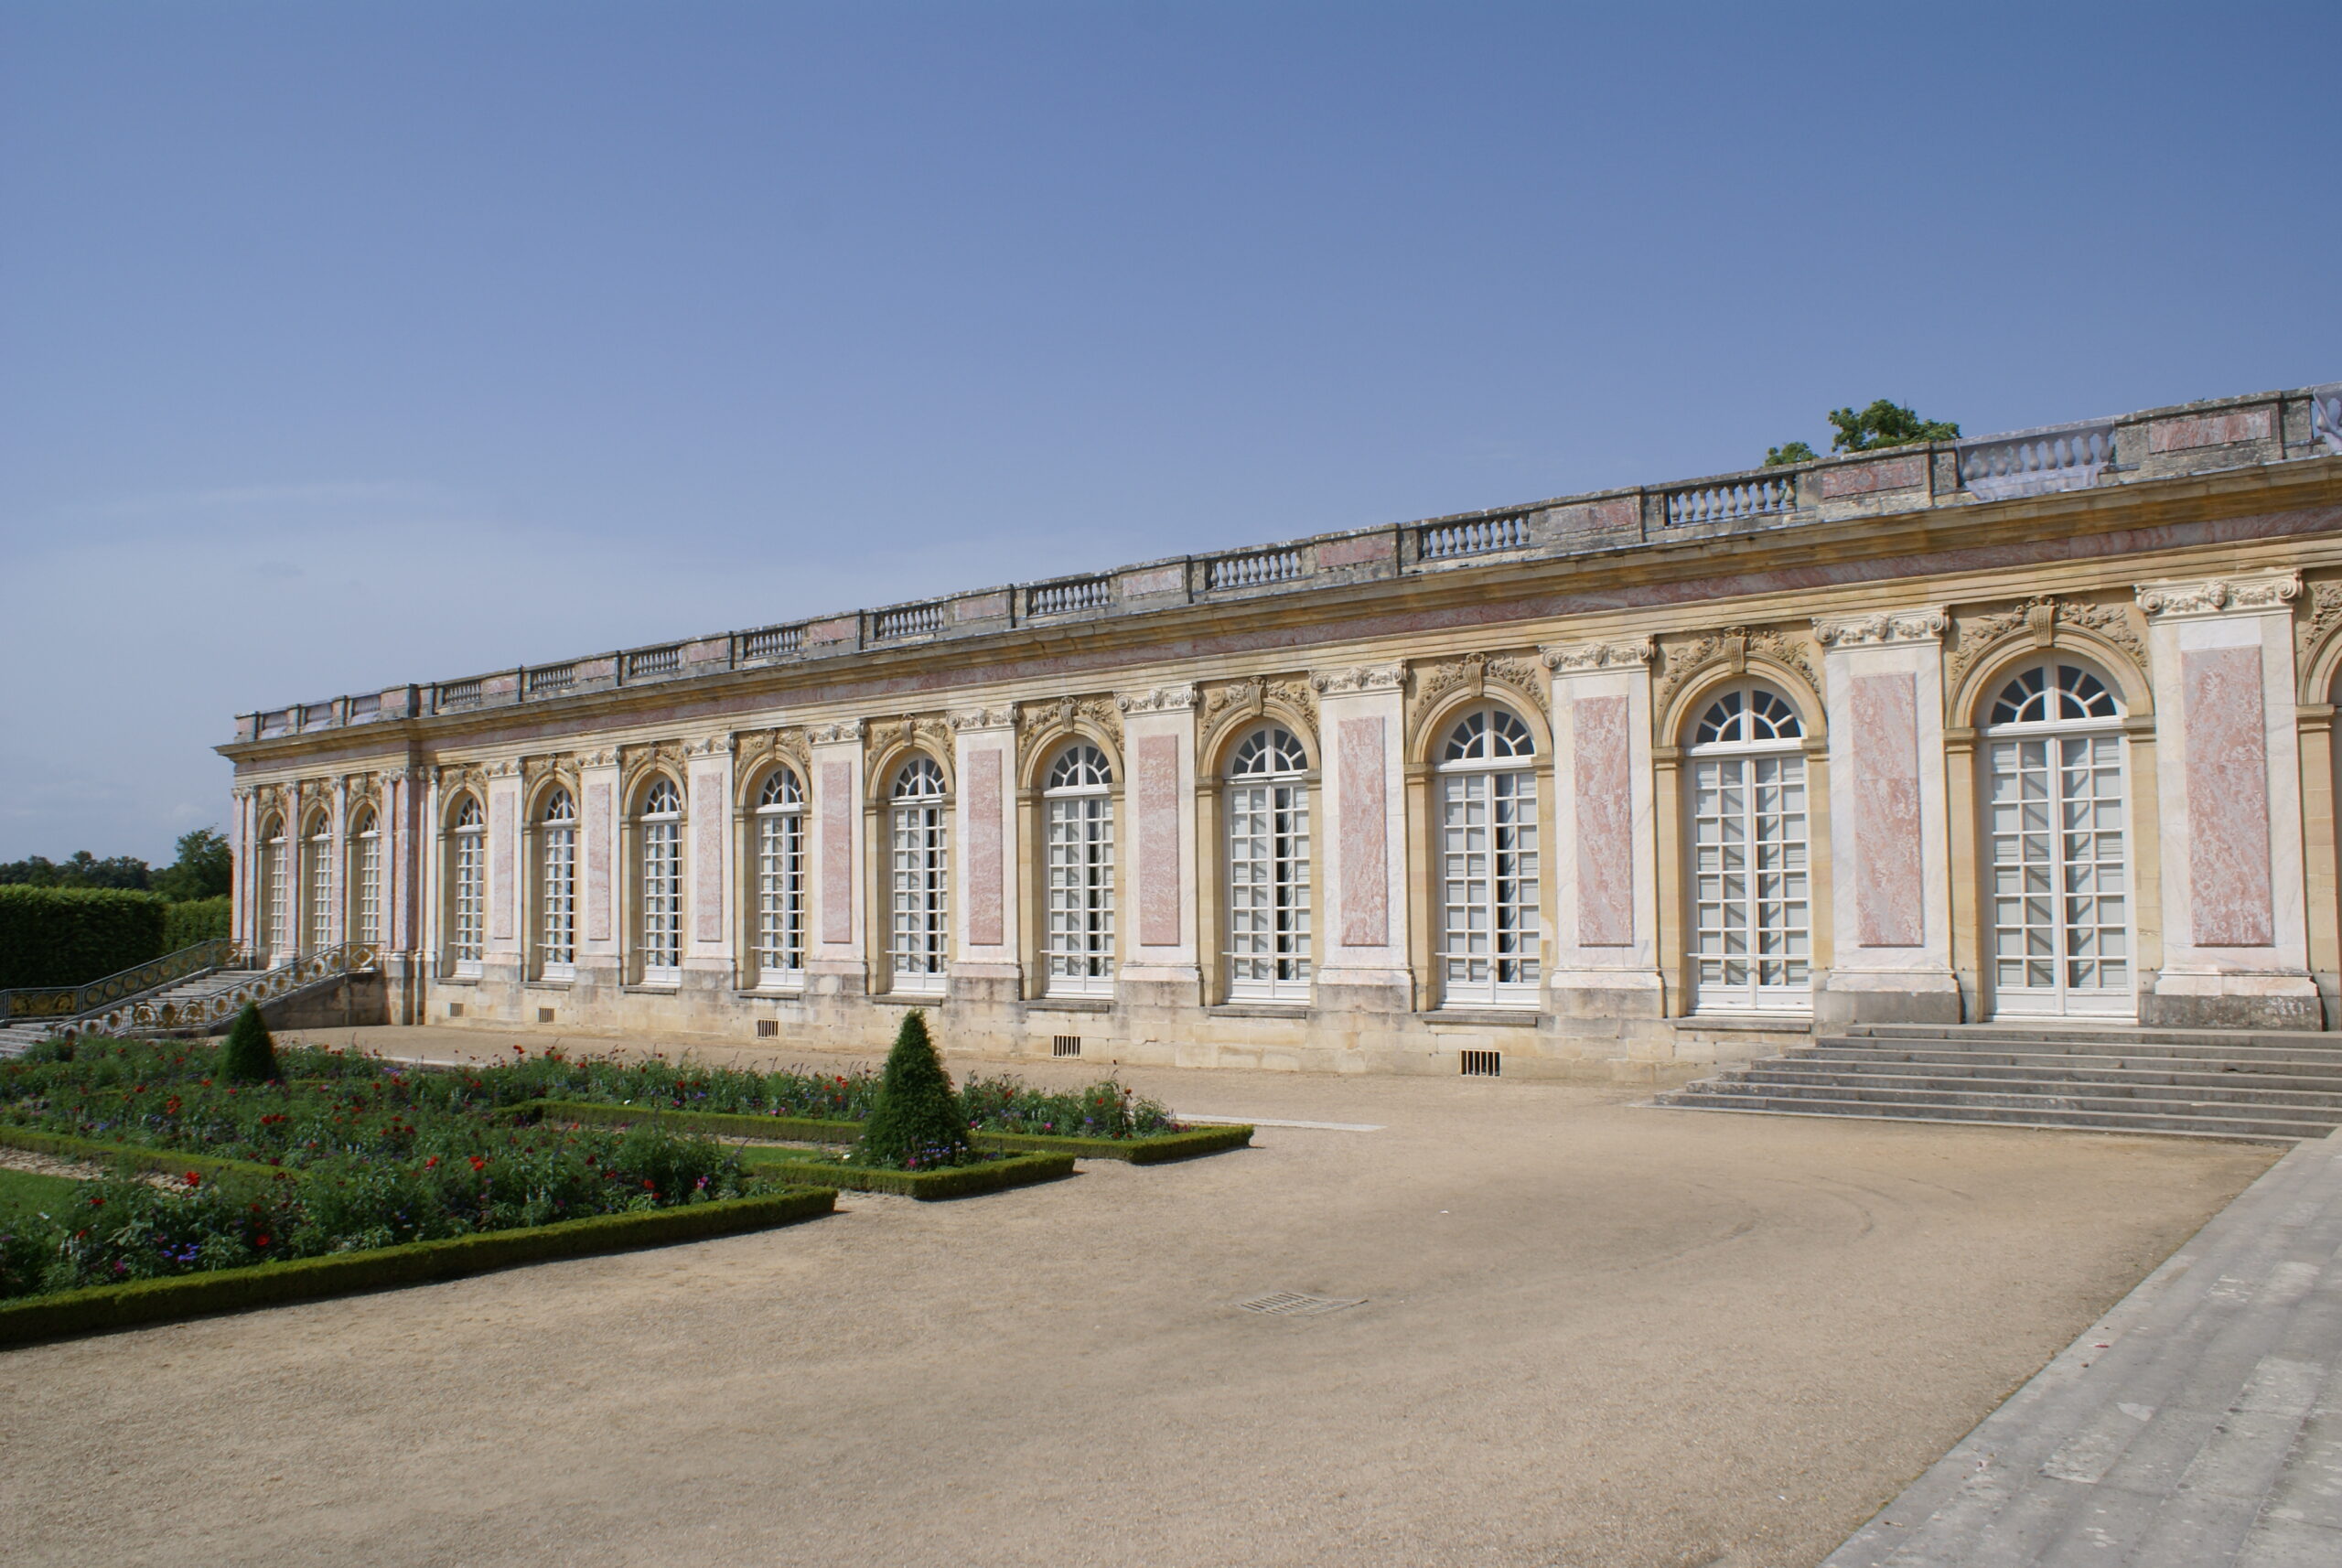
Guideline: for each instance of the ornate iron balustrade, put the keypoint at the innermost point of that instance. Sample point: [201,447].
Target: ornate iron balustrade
[219,1006]
[69,1001]
[1442,541]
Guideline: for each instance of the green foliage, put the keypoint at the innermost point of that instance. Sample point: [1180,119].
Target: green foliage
[202,920]
[1782,456]
[929,1182]
[81,869]
[917,1122]
[204,869]
[1100,1110]
[65,936]
[1885,423]
[250,1055]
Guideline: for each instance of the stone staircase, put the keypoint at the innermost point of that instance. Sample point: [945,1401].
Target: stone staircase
[15,1038]
[2268,1088]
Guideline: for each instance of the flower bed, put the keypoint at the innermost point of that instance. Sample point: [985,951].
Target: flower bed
[349,1155]
[1154,1149]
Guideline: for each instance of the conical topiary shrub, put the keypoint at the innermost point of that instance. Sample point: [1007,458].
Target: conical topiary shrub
[251,1054]
[917,1120]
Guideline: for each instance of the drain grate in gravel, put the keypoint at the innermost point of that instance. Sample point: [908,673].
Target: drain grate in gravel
[1291,1303]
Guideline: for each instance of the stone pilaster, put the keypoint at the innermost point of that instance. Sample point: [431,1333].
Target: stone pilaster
[2236,939]
[708,957]
[1889,841]
[1605,962]
[1161,965]
[986,887]
[837,962]
[1362,846]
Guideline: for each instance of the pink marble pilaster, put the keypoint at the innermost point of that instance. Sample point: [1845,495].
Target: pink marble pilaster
[1889,902]
[503,824]
[1156,786]
[596,828]
[837,853]
[708,817]
[1605,814]
[986,918]
[2227,798]
[1365,835]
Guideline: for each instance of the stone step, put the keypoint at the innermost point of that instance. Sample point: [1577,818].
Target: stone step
[2240,1051]
[2324,1110]
[2251,1129]
[2224,1082]
[2051,1030]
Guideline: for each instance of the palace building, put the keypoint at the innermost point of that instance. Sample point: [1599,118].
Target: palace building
[2020,725]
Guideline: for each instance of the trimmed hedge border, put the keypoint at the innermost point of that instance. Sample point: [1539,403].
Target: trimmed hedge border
[133,1157]
[951,1181]
[98,1308]
[1158,1150]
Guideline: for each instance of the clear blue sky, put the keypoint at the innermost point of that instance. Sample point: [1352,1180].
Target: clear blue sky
[350,344]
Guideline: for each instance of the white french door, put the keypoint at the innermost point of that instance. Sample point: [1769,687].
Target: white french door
[1080,935]
[2060,879]
[1490,940]
[1268,892]
[1751,882]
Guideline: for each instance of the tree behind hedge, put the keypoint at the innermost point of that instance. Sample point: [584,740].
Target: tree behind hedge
[916,1116]
[201,920]
[65,936]
[250,1056]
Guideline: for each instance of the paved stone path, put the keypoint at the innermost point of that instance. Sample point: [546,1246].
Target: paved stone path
[2199,1423]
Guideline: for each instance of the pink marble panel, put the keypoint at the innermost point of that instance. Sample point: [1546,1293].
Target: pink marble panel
[1862,478]
[1365,848]
[1154,580]
[980,607]
[1357,551]
[596,669]
[1890,904]
[708,819]
[837,852]
[1156,783]
[499,685]
[1619,514]
[986,919]
[707,651]
[503,827]
[1605,817]
[844,629]
[595,827]
[2209,430]
[2227,798]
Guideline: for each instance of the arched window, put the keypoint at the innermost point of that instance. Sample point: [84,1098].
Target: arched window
[1491,940]
[275,929]
[2057,794]
[1751,886]
[661,821]
[1077,809]
[467,901]
[1268,867]
[919,927]
[557,887]
[320,850]
[780,880]
[366,876]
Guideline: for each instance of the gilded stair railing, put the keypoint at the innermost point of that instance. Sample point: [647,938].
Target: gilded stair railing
[70,1001]
[219,1006]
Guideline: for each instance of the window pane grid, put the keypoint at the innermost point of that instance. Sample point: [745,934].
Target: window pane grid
[1080,893]
[918,929]
[1490,934]
[781,893]
[320,891]
[468,900]
[367,914]
[662,895]
[2060,891]
[560,894]
[1268,891]
[1750,888]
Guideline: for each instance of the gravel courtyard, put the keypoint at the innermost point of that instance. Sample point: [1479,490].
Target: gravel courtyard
[1592,1334]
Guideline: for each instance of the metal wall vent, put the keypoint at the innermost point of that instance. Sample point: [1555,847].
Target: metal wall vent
[455,1009]
[768,1027]
[544,1014]
[1291,1303]
[1481,1064]
[1065,1045]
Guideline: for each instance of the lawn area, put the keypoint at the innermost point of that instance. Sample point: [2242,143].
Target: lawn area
[31,1193]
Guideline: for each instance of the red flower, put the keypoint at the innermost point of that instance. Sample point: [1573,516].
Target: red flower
[193,1180]
[429,1163]
[261,1242]
[479,1164]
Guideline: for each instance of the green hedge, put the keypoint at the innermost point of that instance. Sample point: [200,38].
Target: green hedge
[197,920]
[67,936]
[132,1156]
[1155,1151]
[950,1181]
[102,1307]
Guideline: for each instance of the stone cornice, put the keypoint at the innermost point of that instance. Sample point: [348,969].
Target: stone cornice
[1926,625]
[965,719]
[2245,593]
[1359,678]
[1574,657]
[1159,699]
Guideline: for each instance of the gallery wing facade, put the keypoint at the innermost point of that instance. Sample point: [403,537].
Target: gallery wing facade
[2028,726]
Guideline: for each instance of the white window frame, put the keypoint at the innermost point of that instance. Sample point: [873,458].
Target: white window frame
[468,888]
[274,927]
[1266,867]
[778,947]
[1078,849]
[366,878]
[1748,747]
[660,906]
[2045,879]
[919,894]
[319,926]
[557,887]
[1490,871]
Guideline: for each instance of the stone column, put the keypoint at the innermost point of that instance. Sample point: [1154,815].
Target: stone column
[1604,855]
[986,963]
[241,925]
[709,966]
[500,952]
[1889,842]
[1362,970]
[837,962]
[402,958]
[2236,936]
[599,806]
[1161,967]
